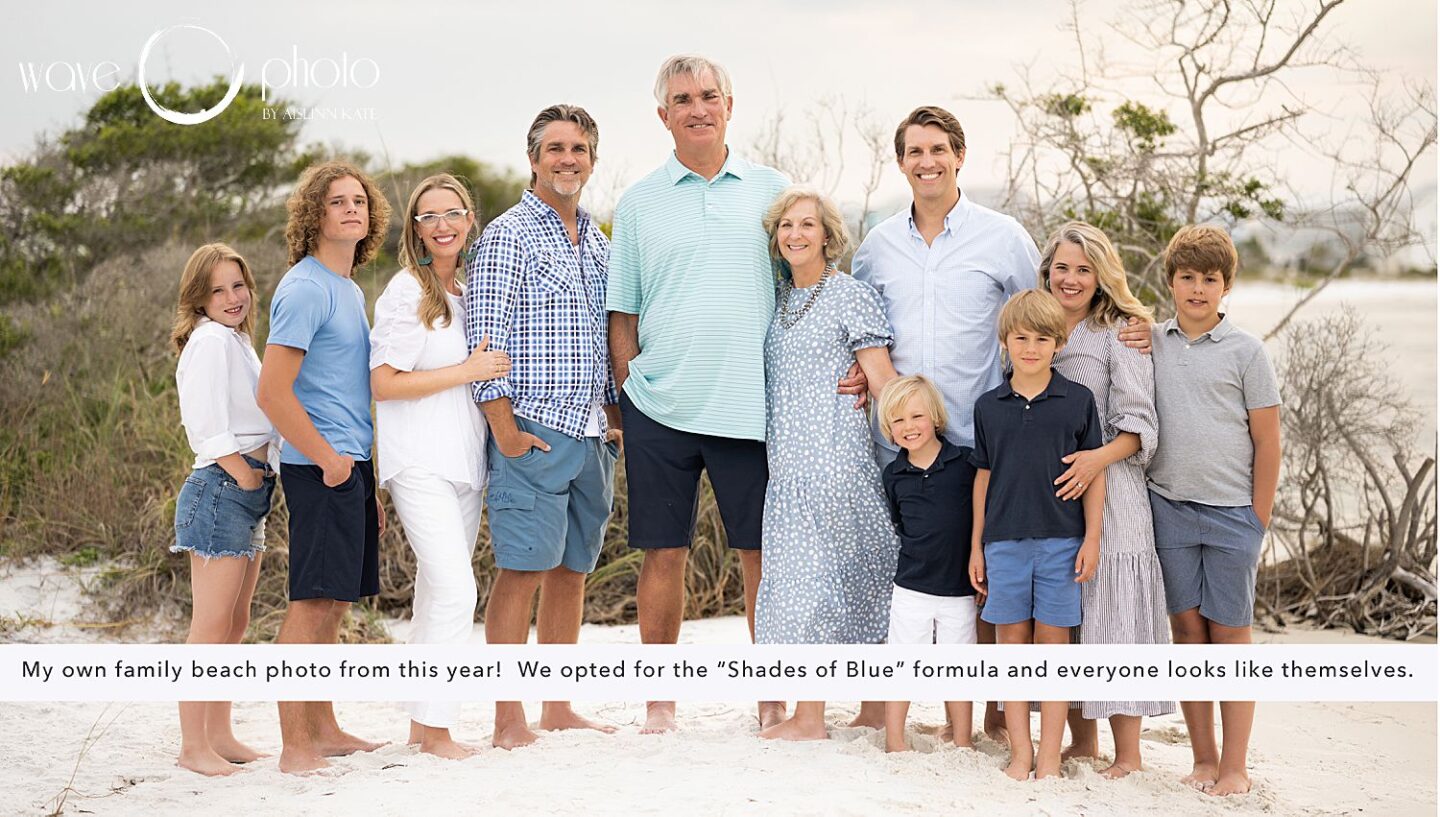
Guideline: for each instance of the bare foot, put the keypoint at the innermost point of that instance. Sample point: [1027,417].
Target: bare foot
[1019,768]
[447,748]
[417,732]
[995,729]
[1047,768]
[205,761]
[964,741]
[513,736]
[792,729]
[235,751]
[897,744]
[344,743]
[1076,750]
[1118,770]
[295,761]
[771,713]
[1202,776]
[872,722]
[659,718]
[563,717]
[1230,784]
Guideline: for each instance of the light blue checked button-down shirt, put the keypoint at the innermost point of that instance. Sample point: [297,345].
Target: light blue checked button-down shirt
[541,300]
[943,300]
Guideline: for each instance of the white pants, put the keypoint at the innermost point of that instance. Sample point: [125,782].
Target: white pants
[441,521]
[920,618]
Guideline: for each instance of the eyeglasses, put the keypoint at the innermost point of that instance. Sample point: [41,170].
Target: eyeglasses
[432,220]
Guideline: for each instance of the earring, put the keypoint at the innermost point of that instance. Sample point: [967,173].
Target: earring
[424,260]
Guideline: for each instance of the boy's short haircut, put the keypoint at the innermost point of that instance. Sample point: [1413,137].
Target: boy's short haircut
[899,391]
[1035,310]
[1202,248]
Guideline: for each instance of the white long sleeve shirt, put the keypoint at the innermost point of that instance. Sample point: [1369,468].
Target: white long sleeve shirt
[216,377]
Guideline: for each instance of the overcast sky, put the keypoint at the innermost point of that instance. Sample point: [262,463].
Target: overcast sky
[460,77]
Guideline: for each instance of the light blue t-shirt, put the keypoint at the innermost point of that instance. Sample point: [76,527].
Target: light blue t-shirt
[322,314]
[690,257]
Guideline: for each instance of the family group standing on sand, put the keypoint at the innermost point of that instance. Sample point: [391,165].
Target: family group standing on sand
[1045,463]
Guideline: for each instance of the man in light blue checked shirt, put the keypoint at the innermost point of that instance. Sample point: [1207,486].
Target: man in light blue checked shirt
[536,289]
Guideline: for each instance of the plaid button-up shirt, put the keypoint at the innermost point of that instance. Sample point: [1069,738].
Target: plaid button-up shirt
[541,300]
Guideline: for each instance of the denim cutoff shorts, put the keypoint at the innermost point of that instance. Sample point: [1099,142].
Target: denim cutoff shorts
[214,516]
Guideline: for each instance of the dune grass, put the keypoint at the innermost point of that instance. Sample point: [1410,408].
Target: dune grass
[92,454]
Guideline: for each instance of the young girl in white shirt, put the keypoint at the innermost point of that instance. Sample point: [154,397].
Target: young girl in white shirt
[220,512]
[430,434]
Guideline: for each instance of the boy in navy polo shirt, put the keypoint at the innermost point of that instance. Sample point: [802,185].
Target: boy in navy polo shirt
[1031,550]
[929,486]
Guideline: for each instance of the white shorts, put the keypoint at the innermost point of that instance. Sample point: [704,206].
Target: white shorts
[920,618]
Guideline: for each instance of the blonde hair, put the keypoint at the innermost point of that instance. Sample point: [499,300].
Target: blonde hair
[434,305]
[1202,248]
[1035,310]
[693,65]
[1113,301]
[195,291]
[837,235]
[899,391]
[306,208]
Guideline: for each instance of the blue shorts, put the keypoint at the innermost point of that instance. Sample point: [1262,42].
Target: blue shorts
[214,516]
[550,508]
[1208,557]
[1032,579]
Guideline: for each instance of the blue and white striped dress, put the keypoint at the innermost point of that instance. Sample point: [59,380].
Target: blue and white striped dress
[1125,603]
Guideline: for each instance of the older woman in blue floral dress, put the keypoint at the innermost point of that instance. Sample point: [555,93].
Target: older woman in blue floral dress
[828,547]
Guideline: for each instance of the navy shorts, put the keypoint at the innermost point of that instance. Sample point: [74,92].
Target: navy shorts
[334,533]
[214,516]
[1208,557]
[662,475]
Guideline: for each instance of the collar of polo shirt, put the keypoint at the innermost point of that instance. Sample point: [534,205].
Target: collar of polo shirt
[1057,387]
[1221,331]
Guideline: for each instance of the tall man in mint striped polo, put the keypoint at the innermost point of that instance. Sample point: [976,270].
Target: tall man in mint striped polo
[690,297]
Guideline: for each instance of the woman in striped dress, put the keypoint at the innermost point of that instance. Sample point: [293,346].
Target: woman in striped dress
[1125,604]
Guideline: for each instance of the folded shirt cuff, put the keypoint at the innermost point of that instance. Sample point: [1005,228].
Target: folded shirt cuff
[213,448]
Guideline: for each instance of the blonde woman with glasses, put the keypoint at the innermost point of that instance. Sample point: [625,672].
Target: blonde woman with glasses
[431,435]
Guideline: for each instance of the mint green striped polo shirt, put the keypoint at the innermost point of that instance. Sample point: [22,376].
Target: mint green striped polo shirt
[690,257]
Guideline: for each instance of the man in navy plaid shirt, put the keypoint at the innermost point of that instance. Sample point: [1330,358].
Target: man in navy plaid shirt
[536,289]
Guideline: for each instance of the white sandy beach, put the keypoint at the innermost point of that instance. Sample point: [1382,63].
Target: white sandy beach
[1307,758]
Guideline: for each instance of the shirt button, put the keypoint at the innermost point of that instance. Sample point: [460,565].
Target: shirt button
[1027,408]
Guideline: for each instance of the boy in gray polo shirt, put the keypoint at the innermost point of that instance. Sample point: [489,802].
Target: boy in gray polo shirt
[1212,481]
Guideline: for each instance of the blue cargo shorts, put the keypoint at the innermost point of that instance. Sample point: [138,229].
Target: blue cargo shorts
[550,508]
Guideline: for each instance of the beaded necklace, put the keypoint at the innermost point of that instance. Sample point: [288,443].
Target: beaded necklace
[788,319]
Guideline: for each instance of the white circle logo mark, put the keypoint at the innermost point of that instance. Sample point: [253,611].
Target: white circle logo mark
[181,117]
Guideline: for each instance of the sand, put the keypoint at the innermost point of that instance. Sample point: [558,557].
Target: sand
[1307,758]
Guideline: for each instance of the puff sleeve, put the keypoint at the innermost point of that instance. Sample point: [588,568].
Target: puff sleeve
[1132,397]
[398,336]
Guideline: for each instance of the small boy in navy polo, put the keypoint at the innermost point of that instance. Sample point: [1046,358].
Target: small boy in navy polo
[929,487]
[1031,550]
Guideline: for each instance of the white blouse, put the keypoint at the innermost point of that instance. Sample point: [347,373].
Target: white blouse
[216,378]
[443,433]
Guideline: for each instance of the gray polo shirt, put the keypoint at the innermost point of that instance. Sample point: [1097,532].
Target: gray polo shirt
[1204,391]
